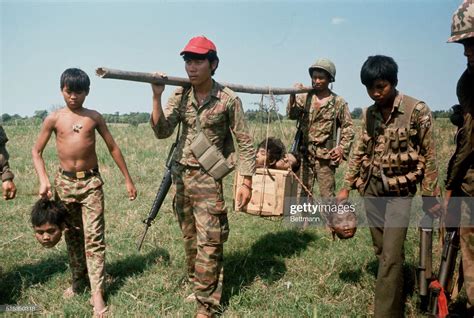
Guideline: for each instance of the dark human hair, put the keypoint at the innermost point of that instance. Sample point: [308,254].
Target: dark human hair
[48,211]
[274,147]
[211,56]
[379,67]
[76,80]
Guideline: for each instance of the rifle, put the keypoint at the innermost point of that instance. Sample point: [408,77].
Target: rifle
[425,259]
[446,269]
[448,258]
[297,146]
[162,190]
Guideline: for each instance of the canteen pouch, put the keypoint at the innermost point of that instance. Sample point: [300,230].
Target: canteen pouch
[210,158]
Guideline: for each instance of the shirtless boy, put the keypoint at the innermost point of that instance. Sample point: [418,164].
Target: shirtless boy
[78,183]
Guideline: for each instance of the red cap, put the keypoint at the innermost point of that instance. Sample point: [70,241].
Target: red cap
[199,45]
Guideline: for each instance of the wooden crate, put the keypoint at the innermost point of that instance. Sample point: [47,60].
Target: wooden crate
[272,191]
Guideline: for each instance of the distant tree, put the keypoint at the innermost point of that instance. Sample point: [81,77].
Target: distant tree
[356,113]
[6,118]
[41,114]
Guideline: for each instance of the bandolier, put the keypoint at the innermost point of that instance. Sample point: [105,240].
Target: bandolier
[399,164]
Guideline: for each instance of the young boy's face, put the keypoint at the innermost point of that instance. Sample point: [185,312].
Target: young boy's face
[344,225]
[48,234]
[381,91]
[74,100]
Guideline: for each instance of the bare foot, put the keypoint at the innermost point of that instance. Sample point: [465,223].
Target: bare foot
[97,301]
[69,293]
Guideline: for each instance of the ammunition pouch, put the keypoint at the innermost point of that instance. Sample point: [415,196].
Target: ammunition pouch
[210,158]
[401,167]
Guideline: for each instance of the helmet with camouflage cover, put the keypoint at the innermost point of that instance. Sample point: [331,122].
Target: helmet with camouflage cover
[462,26]
[326,65]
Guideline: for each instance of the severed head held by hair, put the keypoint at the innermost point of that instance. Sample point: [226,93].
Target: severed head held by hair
[48,218]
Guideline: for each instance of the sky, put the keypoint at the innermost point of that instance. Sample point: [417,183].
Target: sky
[259,43]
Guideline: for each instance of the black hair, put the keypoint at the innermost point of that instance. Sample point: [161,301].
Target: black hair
[274,147]
[48,211]
[211,56]
[379,67]
[76,80]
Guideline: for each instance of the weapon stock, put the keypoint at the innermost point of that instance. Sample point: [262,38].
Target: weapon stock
[161,194]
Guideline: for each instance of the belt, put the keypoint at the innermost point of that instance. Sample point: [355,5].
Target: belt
[79,174]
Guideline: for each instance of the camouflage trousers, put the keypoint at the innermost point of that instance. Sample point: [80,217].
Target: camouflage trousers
[202,215]
[466,232]
[85,242]
[317,169]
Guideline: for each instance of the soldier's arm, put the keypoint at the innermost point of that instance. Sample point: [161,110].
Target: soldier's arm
[240,130]
[355,159]
[424,125]
[246,151]
[5,171]
[347,129]
[8,186]
[164,121]
[296,104]
[463,155]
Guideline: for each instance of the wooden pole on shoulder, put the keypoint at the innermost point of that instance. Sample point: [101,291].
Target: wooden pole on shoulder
[104,72]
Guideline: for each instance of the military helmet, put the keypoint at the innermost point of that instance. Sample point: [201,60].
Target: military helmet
[462,26]
[324,64]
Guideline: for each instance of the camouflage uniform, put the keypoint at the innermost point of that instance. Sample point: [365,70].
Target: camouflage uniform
[460,179]
[84,199]
[318,126]
[5,171]
[387,162]
[199,201]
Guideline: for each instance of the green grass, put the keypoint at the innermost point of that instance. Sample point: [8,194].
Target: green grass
[271,269]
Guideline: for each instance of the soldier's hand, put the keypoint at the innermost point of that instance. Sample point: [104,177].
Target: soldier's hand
[9,189]
[158,88]
[244,193]
[432,206]
[298,85]
[342,196]
[336,154]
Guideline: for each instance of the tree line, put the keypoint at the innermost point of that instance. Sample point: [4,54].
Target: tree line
[135,118]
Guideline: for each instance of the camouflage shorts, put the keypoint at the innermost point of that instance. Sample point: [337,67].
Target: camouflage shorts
[84,200]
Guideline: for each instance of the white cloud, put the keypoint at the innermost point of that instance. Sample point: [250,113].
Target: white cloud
[337,20]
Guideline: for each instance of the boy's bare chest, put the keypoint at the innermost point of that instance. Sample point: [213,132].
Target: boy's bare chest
[76,127]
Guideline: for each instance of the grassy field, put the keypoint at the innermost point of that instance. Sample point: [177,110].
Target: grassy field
[271,269]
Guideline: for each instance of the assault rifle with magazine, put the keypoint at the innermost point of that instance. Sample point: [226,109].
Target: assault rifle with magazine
[162,191]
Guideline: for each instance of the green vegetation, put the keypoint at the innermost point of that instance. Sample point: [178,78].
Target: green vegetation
[271,269]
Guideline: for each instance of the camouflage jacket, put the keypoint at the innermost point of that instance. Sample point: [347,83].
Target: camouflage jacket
[461,165]
[317,124]
[366,159]
[219,115]
[5,171]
